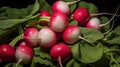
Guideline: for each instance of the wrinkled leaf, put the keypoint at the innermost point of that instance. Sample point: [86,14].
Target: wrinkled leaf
[42,61]
[44,55]
[91,34]
[115,40]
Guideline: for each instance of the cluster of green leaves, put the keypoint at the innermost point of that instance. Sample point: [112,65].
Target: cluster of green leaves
[105,52]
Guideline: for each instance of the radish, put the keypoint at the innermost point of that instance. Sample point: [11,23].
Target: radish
[61,53]
[63,7]
[23,54]
[58,22]
[72,35]
[30,36]
[47,38]
[44,13]
[22,43]
[96,24]
[7,53]
[81,15]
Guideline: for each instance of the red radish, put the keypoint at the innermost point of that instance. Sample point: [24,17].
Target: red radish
[72,35]
[81,15]
[23,54]
[58,22]
[63,7]
[46,37]
[61,53]
[7,53]
[95,22]
[59,35]
[30,36]
[44,13]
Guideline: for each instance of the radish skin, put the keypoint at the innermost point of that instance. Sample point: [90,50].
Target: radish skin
[23,54]
[47,38]
[30,36]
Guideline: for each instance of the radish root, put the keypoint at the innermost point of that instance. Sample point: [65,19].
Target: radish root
[18,62]
[60,62]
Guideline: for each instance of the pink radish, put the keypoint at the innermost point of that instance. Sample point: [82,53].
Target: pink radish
[44,13]
[63,7]
[81,15]
[72,35]
[7,53]
[23,54]
[96,24]
[61,53]
[46,37]
[58,22]
[93,23]
[30,36]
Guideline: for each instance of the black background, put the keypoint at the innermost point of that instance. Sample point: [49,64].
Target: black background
[103,5]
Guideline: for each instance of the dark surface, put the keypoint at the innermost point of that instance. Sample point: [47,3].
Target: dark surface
[103,5]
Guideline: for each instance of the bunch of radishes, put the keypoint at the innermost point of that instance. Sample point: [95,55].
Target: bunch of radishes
[56,34]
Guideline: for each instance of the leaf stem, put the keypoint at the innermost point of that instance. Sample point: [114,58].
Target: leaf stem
[16,39]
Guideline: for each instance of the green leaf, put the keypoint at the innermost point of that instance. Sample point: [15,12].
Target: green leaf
[91,34]
[72,63]
[76,50]
[73,22]
[44,55]
[45,6]
[9,23]
[15,13]
[117,30]
[115,40]
[36,7]
[88,53]
[41,61]
[90,6]
[104,20]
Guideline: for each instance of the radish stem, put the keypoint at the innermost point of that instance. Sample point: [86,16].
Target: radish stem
[15,40]
[111,18]
[70,3]
[86,40]
[103,14]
